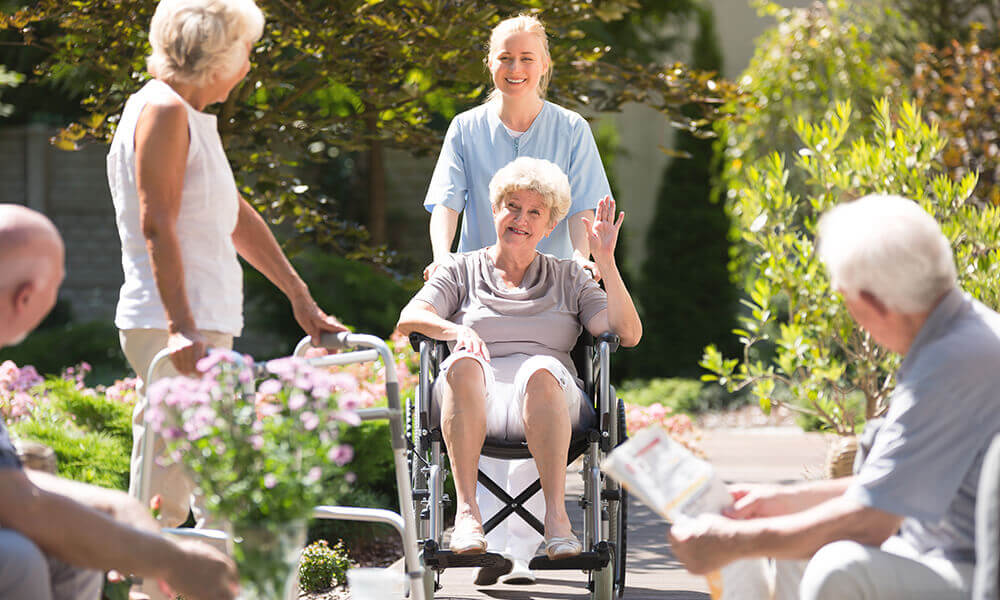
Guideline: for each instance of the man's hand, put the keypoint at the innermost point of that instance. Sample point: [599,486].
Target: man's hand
[186,347]
[201,572]
[702,544]
[314,321]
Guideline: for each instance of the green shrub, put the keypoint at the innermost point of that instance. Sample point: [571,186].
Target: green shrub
[322,566]
[90,434]
[53,348]
[688,396]
[819,353]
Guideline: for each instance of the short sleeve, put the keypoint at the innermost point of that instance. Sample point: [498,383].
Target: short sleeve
[587,179]
[591,298]
[446,289]
[449,183]
[925,447]
[8,455]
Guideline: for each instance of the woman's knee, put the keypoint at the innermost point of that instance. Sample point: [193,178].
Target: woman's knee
[465,373]
[837,570]
[543,384]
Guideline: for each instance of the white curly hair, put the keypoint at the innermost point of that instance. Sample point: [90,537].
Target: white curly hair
[195,41]
[537,175]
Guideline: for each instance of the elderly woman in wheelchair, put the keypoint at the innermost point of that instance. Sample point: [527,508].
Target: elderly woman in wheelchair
[512,315]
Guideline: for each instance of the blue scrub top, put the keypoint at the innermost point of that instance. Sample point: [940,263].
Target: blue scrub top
[477,145]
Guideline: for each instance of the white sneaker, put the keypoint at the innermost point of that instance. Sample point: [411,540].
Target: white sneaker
[519,575]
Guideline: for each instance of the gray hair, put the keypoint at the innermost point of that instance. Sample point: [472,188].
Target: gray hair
[890,247]
[538,175]
[195,41]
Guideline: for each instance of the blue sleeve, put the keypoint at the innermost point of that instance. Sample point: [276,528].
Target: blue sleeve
[8,455]
[920,456]
[587,180]
[449,184]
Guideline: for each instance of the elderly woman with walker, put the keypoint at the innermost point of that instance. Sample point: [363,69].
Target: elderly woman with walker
[515,121]
[180,216]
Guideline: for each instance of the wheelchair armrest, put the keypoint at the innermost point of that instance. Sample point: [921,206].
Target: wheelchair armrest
[416,338]
[611,338]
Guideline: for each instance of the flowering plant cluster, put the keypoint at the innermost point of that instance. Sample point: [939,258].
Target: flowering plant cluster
[23,390]
[679,426]
[262,450]
[16,399]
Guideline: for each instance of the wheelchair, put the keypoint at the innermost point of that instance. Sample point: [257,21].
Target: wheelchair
[604,501]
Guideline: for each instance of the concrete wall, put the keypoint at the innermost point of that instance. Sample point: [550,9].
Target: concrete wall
[71,188]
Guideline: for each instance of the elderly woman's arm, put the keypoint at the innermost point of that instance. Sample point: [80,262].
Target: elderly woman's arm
[620,316]
[255,242]
[161,148]
[420,317]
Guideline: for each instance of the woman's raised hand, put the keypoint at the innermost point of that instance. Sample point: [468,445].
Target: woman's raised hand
[602,232]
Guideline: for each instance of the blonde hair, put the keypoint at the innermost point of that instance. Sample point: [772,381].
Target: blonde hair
[537,175]
[195,41]
[520,24]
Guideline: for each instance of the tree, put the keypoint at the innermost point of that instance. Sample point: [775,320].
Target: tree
[347,75]
[685,297]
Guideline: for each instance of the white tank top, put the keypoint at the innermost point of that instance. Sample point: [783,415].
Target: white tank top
[209,210]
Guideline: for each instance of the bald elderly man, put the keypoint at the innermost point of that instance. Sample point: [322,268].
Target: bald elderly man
[57,536]
[903,526]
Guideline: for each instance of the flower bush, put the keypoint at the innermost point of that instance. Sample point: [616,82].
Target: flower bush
[16,400]
[321,566]
[678,425]
[262,453]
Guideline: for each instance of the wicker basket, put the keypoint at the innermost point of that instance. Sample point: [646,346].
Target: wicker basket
[840,457]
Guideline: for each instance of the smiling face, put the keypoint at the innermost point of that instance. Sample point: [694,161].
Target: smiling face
[518,63]
[522,219]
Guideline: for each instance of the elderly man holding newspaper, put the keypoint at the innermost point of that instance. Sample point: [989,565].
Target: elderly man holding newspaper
[902,527]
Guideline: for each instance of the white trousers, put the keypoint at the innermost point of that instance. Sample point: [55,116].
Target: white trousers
[171,482]
[512,536]
[847,570]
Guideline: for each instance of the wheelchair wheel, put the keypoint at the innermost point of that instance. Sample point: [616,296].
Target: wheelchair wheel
[418,476]
[609,582]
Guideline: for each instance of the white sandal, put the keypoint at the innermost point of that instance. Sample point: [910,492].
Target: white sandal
[467,540]
[558,547]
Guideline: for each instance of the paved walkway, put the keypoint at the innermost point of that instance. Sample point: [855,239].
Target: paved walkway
[753,455]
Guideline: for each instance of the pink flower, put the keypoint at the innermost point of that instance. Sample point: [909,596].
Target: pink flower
[270,480]
[297,400]
[309,420]
[341,454]
[270,387]
[350,477]
[313,475]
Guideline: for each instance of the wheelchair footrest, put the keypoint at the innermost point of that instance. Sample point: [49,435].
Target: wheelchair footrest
[586,561]
[446,559]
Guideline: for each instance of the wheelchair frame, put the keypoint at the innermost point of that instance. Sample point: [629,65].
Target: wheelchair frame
[419,580]
[604,501]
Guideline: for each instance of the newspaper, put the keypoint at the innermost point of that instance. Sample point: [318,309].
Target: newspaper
[676,484]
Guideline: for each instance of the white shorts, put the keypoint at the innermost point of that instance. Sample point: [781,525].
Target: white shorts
[504,400]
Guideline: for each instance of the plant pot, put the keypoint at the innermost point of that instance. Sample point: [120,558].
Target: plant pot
[840,457]
[266,555]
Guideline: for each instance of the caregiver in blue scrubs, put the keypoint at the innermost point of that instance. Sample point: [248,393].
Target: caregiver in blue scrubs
[515,121]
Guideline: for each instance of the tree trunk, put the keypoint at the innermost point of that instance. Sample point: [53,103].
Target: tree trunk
[376,188]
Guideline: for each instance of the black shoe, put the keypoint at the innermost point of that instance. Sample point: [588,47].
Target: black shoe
[490,575]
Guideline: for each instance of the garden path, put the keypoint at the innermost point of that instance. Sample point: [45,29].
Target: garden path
[766,454]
